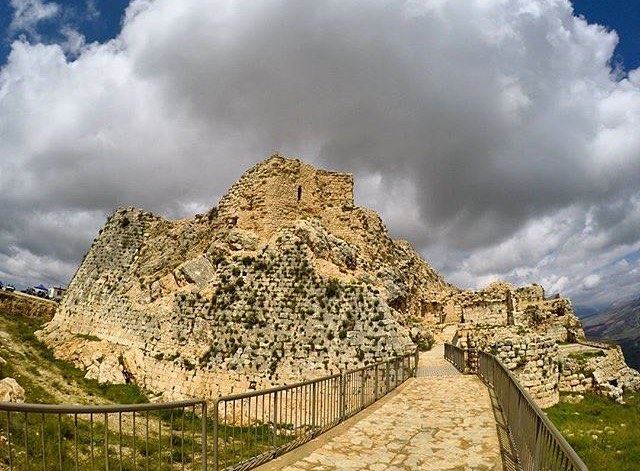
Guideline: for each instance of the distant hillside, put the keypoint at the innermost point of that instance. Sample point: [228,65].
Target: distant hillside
[619,322]
[583,312]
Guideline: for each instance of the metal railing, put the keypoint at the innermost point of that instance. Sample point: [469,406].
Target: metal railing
[239,431]
[456,356]
[255,427]
[538,443]
[138,436]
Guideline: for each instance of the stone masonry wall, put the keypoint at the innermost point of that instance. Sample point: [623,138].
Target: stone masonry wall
[285,280]
[532,358]
[534,363]
[599,368]
[25,305]
[226,310]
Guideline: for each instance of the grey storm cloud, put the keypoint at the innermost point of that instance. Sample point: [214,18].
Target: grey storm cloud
[496,135]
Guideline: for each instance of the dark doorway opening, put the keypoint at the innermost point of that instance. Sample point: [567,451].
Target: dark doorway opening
[299,193]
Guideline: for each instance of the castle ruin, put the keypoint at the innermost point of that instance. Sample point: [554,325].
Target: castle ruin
[287,279]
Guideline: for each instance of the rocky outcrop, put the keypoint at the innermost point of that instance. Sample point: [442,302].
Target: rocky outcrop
[11,391]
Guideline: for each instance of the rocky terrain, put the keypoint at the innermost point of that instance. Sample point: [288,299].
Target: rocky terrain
[287,279]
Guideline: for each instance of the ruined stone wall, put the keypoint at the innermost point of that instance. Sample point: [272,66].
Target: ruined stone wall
[575,380]
[601,369]
[485,313]
[274,193]
[263,317]
[285,280]
[554,316]
[25,305]
[533,361]
[97,301]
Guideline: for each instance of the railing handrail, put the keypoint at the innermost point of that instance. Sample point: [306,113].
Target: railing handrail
[260,392]
[148,406]
[324,402]
[545,422]
[95,409]
[284,387]
[557,435]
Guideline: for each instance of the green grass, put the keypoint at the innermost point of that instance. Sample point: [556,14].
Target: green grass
[163,442]
[582,357]
[40,357]
[30,445]
[605,434]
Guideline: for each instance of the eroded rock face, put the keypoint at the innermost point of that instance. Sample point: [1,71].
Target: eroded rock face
[11,391]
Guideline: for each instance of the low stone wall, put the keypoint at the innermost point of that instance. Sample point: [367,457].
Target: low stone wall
[534,363]
[575,381]
[533,359]
[28,306]
[596,367]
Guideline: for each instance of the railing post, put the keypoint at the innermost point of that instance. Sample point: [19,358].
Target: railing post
[313,405]
[275,415]
[537,449]
[395,365]
[343,397]
[362,385]
[375,384]
[205,462]
[387,374]
[417,360]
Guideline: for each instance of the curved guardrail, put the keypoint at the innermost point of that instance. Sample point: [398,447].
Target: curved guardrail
[238,431]
[539,444]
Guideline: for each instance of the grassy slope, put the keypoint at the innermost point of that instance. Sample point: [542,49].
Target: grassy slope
[605,434]
[47,379]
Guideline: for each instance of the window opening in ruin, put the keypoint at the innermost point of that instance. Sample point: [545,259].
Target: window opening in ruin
[299,193]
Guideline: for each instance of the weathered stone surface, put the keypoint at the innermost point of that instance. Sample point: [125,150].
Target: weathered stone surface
[286,279]
[198,271]
[26,305]
[11,391]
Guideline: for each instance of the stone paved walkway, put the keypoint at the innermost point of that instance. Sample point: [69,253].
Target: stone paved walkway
[441,420]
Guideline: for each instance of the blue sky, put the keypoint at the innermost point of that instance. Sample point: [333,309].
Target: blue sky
[621,15]
[99,20]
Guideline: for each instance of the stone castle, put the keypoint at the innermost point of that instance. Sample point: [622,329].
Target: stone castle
[286,279]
